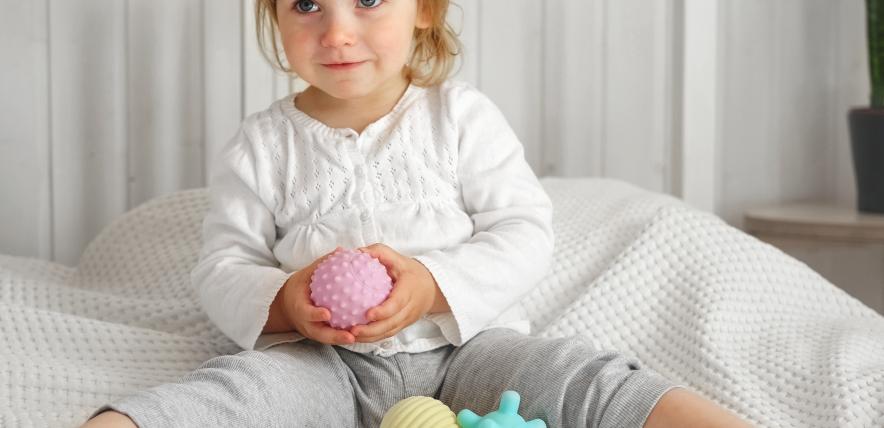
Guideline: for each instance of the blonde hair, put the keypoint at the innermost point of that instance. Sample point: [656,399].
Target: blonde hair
[432,57]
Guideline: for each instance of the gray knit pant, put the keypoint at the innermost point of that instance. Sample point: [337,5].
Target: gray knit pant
[565,382]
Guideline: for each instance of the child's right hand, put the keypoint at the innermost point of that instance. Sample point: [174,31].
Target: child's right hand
[303,316]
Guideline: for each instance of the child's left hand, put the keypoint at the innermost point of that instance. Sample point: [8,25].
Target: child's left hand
[415,293]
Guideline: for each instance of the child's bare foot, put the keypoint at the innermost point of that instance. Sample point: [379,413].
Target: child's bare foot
[682,408]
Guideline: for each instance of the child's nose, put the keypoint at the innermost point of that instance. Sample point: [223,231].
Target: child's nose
[339,30]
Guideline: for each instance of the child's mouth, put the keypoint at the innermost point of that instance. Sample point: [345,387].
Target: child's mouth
[343,66]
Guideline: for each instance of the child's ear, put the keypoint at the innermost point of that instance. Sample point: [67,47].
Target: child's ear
[424,15]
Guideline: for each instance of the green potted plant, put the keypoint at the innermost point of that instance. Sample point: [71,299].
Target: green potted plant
[867,124]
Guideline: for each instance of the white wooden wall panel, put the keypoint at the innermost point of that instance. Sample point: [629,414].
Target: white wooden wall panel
[791,70]
[851,87]
[511,67]
[25,187]
[608,90]
[258,76]
[637,99]
[164,97]
[749,117]
[574,88]
[89,120]
[696,155]
[804,66]
[223,76]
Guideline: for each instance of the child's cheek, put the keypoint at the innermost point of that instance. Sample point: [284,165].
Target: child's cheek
[299,49]
[394,45]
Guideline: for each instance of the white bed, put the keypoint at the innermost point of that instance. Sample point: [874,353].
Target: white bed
[694,298]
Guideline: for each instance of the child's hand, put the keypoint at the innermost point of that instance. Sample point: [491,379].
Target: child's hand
[415,293]
[303,316]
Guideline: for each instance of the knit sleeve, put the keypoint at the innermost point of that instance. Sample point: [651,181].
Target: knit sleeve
[512,241]
[237,276]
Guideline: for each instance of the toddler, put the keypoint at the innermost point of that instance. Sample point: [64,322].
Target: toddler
[384,153]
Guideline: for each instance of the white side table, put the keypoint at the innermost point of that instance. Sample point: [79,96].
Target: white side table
[843,245]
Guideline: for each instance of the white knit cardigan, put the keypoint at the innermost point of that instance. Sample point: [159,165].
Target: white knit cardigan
[441,178]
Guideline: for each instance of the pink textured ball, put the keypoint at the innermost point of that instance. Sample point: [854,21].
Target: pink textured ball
[348,283]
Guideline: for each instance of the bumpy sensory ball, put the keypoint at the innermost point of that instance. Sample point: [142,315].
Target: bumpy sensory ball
[423,412]
[506,416]
[348,283]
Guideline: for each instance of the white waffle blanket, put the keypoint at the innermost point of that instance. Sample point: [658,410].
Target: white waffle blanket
[692,297]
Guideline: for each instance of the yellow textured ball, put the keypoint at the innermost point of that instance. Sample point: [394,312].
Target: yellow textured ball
[424,412]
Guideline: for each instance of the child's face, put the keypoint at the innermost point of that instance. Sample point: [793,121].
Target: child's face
[376,34]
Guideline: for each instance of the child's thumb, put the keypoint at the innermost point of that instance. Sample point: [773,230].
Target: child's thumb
[386,255]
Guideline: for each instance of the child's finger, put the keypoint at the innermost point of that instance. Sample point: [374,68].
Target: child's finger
[317,314]
[380,329]
[304,303]
[394,303]
[322,333]
[386,255]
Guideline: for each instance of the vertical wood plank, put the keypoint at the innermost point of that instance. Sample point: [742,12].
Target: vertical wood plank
[223,77]
[25,162]
[852,88]
[668,85]
[259,78]
[164,97]
[510,64]
[806,105]
[698,163]
[88,86]
[780,103]
[574,87]
[636,99]
[749,112]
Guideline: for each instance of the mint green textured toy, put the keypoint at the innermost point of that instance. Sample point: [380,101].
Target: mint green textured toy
[507,415]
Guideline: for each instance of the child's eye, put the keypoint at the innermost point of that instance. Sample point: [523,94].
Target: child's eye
[369,4]
[305,6]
